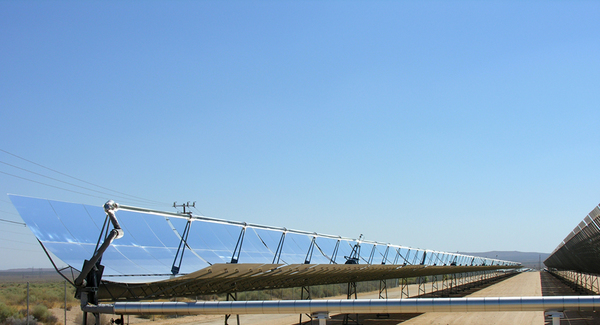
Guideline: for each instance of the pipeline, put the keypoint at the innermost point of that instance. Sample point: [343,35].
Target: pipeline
[352,306]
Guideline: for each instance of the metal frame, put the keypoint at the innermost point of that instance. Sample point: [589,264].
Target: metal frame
[581,282]
[238,246]
[351,292]
[277,256]
[404,288]
[579,250]
[186,231]
[305,289]
[309,253]
[230,297]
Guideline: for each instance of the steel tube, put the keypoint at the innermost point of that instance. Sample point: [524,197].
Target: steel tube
[352,306]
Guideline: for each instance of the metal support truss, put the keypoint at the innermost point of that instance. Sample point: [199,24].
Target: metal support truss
[232,297]
[424,257]
[70,271]
[581,282]
[453,284]
[88,281]
[445,288]
[335,251]
[110,208]
[305,295]
[238,247]
[404,288]
[385,255]
[351,292]
[372,255]
[309,253]
[277,255]
[422,280]
[383,292]
[182,244]
[354,256]
[434,284]
[400,255]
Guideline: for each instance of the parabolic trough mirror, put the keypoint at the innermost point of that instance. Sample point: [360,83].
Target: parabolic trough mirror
[157,254]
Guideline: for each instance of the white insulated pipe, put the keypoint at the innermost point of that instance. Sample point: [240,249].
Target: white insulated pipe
[353,306]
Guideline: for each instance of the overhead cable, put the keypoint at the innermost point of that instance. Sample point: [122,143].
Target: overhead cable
[60,188]
[83,181]
[58,180]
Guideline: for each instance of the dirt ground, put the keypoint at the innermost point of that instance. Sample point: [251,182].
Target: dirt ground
[524,284]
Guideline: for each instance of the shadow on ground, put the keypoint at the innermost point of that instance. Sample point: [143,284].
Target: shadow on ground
[389,319]
[551,286]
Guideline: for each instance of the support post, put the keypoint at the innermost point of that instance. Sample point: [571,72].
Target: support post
[434,284]
[65,323]
[27,319]
[422,281]
[322,317]
[305,295]
[454,284]
[445,290]
[351,292]
[383,294]
[404,288]
[232,297]
[555,315]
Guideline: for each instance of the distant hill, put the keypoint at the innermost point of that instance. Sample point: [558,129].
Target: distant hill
[29,275]
[528,259]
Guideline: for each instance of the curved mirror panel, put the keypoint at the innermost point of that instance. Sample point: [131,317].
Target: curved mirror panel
[157,244]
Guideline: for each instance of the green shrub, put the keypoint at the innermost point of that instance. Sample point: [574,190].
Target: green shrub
[41,313]
[6,312]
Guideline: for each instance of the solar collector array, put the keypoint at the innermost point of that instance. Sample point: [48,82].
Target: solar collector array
[580,250]
[152,245]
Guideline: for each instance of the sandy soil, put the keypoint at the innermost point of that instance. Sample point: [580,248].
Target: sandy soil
[524,284]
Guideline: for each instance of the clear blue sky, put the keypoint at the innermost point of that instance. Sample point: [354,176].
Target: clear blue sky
[455,126]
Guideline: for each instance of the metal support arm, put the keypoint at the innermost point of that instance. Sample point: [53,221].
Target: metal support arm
[110,207]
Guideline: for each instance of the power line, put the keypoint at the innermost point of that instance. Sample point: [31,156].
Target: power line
[80,180]
[58,180]
[60,188]
[199,212]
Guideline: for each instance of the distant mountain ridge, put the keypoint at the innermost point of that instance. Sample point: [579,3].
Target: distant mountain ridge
[29,274]
[528,259]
